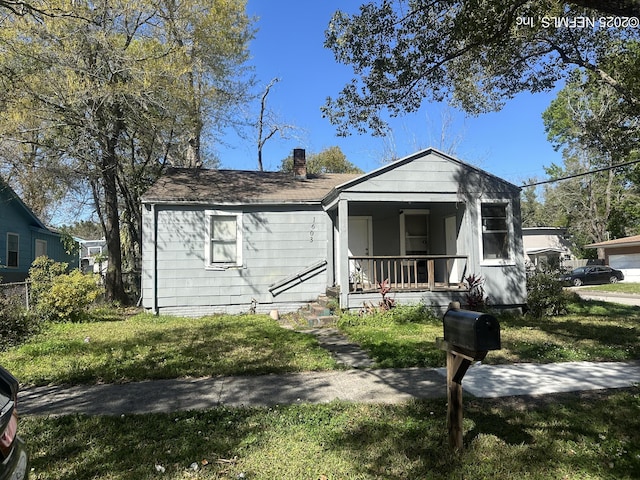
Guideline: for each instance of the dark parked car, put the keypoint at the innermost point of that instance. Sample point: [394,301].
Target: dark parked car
[595,274]
[13,454]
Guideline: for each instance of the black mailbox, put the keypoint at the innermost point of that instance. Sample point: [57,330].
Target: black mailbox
[474,331]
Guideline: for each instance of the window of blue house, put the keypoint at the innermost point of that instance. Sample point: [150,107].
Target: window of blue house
[13,249]
[41,248]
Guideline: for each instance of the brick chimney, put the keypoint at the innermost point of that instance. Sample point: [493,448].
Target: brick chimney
[299,164]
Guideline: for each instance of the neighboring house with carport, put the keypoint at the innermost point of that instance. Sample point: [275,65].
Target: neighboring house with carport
[23,238]
[623,254]
[228,240]
[546,246]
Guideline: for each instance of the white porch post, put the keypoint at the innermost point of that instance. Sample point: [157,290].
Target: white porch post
[343,251]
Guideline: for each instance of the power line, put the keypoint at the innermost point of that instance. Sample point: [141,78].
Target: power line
[590,172]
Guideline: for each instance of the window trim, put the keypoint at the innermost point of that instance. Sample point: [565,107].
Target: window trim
[209,215]
[17,265]
[510,260]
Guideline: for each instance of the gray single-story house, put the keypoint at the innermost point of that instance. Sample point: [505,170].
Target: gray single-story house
[23,238]
[226,240]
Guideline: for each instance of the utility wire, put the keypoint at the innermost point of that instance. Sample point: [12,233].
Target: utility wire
[604,169]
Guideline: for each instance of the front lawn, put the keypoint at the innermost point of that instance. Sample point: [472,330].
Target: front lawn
[592,331]
[622,287]
[147,347]
[566,436]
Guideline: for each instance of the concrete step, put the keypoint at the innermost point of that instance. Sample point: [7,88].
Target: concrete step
[317,314]
[323,300]
[318,310]
[322,321]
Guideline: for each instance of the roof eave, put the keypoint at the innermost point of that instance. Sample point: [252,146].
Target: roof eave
[270,203]
[29,212]
[613,245]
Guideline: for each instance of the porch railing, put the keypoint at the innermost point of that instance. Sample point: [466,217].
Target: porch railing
[410,272]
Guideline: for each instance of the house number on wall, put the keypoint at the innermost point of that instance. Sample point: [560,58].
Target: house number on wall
[312,231]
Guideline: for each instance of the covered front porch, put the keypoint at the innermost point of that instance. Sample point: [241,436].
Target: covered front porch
[423,224]
[418,249]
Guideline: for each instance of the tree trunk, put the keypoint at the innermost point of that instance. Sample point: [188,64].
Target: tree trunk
[113,279]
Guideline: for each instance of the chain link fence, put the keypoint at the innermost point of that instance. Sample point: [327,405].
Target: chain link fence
[20,291]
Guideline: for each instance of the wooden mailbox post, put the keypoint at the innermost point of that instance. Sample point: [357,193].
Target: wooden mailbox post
[468,337]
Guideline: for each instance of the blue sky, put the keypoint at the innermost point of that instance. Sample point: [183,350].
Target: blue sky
[289,45]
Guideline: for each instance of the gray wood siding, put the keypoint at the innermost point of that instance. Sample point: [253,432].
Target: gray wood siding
[427,174]
[276,245]
[431,173]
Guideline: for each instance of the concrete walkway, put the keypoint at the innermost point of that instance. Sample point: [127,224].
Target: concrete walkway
[378,386]
[358,383]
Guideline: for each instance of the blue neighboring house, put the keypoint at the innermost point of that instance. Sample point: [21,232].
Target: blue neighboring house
[23,238]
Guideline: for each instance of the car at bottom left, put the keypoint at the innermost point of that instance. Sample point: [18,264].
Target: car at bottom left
[13,453]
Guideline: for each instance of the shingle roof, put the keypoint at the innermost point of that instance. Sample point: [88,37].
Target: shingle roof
[618,242]
[238,186]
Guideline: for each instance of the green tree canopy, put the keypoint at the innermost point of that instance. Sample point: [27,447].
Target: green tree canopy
[111,91]
[329,160]
[597,133]
[476,55]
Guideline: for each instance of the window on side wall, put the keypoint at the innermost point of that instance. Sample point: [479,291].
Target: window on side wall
[41,248]
[496,232]
[223,248]
[13,249]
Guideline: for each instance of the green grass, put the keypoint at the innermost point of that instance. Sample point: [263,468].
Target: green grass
[565,436]
[148,347]
[592,331]
[633,288]
[402,337]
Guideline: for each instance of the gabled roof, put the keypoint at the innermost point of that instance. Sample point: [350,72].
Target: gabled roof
[424,153]
[6,188]
[201,186]
[241,187]
[617,243]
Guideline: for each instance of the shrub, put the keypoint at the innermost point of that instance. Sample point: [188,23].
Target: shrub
[400,314]
[41,274]
[69,296]
[545,294]
[16,324]
[418,313]
[476,299]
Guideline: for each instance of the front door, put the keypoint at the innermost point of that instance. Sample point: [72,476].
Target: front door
[360,245]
